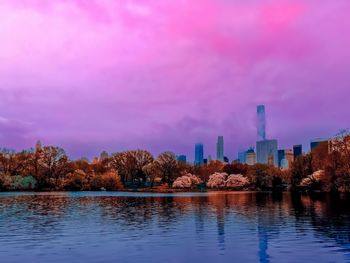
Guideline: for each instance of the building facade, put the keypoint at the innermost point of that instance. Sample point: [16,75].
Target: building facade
[242,156]
[297,150]
[280,157]
[266,152]
[250,157]
[182,158]
[199,154]
[261,124]
[220,149]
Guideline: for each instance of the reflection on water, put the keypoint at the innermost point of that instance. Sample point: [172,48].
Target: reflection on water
[122,227]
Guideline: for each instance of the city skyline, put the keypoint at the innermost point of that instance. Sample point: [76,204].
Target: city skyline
[220,146]
[118,75]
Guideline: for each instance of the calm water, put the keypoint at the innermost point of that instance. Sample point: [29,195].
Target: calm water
[122,227]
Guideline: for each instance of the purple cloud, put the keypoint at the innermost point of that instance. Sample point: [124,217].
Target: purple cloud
[116,75]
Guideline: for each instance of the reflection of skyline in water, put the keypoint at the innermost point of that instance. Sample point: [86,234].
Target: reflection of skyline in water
[246,226]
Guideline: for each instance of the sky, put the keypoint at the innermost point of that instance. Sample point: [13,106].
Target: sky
[114,75]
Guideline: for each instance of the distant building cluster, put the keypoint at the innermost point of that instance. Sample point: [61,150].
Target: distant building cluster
[266,150]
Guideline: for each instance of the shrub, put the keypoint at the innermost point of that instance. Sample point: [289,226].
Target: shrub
[23,183]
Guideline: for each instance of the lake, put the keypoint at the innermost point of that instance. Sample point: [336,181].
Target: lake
[186,227]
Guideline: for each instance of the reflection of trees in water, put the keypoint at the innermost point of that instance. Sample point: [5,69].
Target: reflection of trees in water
[38,217]
[134,213]
[328,214]
[46,217]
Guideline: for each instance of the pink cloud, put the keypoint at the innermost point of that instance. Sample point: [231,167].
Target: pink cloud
[93,75]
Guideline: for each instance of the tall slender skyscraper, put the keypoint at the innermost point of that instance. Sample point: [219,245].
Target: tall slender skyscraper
[220,149]
[261,123]
[199,153]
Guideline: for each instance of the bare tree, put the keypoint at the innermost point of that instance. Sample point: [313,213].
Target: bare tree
[167,165]
[50,165]
[338,165]
[129,164]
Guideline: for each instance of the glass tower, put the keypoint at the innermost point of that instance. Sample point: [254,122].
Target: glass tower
[199,154]
[220,149]
[261,124]
[266,152]
[297,150]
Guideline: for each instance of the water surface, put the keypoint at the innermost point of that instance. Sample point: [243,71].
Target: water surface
[187,227]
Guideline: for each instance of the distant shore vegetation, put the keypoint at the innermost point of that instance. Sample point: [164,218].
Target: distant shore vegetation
[48,168]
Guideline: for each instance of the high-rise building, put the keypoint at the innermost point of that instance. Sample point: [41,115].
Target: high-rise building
[199,153]
[181,158]
[250,157]
[261,123]
[284,164]
[220,149]
[242,156]
[297,150]
[281,156]
[285,158]
[266,152]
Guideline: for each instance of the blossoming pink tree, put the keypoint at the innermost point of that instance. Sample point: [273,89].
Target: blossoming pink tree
[222,180]
[237,181]
[217,180]
[187,181]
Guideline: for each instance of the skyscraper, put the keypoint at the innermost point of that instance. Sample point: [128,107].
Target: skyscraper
[250,157]
[220,149]
[297,150]
[285,158]
[261,123]
[281,156]
[199,153]
[267,152]
[242,156]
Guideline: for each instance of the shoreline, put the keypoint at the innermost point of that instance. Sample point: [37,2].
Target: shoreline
[172,191]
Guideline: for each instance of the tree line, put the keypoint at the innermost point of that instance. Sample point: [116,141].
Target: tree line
[48,168]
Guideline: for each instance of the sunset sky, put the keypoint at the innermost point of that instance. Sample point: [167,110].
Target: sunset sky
[93,75]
